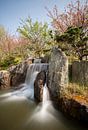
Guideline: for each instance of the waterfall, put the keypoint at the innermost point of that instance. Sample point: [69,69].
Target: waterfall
[43,112]
[46,100]
[46,96]
[33,70]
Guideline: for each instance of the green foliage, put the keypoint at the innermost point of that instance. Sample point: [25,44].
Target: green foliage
[77,89]
[37,33]
[12,50]
[8,61]
[71,28]
[17,60]
[74,40]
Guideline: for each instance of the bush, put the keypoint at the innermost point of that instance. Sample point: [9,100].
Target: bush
[8,61]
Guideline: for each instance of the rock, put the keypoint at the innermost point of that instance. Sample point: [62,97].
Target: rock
[18,74]
[29,60]
[45,59]
[4,79]
[58,73]
[37,60]
[38,85]
[74,109]
[15,75]
[80,72]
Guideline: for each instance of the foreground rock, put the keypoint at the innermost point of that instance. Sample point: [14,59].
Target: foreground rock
[58,74]
[75,108]
[18,73]
[38,85]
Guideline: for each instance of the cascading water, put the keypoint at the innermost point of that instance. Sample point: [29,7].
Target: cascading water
[45,111]
[33,70]
[46,97]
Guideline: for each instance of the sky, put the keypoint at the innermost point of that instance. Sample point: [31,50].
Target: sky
[12,11]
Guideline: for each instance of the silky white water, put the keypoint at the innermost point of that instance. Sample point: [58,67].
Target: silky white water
[33,70]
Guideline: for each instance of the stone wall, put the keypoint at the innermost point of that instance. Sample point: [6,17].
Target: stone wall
[58,73]
[80,72]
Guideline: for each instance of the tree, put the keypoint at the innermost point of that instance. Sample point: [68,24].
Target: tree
[37,33]
[75,42]
[71,28]
[75,15]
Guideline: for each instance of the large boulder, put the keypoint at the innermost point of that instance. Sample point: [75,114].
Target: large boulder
[18,74]
[38,85]
[58,73]
[74,107]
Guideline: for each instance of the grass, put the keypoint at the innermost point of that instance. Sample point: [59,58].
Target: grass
[77,92]
[74,88]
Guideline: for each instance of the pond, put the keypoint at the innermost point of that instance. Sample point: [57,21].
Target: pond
[17,112]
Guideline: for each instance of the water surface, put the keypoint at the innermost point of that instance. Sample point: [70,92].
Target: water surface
[20,113]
